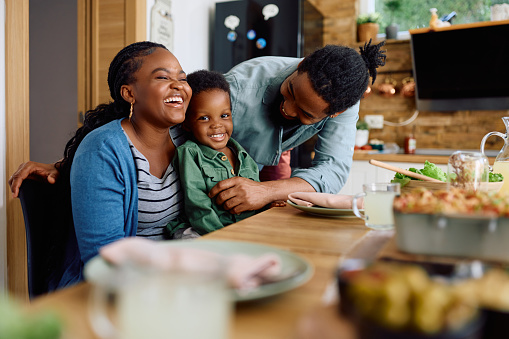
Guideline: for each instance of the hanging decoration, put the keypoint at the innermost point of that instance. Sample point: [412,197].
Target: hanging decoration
[232,22]
[251,34]
[270,11]
[161,30]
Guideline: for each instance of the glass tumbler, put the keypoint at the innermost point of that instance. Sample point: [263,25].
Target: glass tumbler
[467,170]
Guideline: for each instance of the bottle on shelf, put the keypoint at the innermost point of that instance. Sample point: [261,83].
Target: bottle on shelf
[410,143]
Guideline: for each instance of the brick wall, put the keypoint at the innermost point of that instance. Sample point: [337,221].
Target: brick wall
[339,26]
[457,130]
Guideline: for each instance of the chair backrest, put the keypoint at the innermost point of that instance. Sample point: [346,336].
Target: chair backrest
[53,259]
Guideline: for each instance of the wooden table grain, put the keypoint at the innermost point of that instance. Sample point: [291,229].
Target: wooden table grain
[294,314]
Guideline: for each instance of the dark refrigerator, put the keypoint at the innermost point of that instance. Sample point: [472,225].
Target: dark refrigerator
[252,28]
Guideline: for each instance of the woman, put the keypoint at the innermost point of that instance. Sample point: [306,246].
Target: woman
[119,163]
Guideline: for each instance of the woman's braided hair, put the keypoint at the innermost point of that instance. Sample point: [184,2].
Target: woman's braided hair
[340,75]
[121,72]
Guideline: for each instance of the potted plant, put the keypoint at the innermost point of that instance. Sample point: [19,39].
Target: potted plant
[368,26]
[362,135]
[391,30]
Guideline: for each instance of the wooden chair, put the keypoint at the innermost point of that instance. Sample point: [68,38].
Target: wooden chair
[52,251]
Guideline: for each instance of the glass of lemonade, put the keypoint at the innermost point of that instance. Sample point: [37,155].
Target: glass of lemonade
[141,302]
[378,200]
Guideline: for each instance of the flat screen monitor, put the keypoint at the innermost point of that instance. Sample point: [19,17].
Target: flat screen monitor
[462,69]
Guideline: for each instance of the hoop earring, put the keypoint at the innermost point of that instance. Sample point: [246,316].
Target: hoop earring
[131,111]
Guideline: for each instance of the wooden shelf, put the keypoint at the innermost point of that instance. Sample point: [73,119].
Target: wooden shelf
[459,26]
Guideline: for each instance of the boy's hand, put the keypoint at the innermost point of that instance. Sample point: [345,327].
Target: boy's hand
[32,170]
[240,194]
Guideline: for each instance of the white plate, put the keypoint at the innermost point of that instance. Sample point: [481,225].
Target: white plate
[324,211]
[97,267]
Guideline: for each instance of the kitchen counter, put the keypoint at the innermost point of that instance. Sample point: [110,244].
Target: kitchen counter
[413,158]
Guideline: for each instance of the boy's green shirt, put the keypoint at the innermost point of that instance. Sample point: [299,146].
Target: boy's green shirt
[201,168]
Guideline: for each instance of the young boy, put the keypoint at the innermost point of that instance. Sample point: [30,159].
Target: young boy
[209,157]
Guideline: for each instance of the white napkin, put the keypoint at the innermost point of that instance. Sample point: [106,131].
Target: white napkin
[243,272]
[339,201]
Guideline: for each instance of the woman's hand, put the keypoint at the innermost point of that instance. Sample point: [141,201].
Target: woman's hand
[240,194]
[32,170]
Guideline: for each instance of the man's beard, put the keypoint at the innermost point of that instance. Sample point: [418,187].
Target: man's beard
[278,118]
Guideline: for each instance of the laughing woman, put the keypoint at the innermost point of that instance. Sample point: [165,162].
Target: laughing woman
[119,163]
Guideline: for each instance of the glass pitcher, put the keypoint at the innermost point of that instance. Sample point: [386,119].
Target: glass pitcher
[501,164]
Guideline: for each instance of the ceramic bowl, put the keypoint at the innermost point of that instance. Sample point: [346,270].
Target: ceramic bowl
[369,329]
[497,324]
[478,237]
[472,330]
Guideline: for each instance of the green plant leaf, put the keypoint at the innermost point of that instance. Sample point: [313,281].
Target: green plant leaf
[374,17]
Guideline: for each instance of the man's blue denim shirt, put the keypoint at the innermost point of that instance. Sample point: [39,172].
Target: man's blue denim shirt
[255,89]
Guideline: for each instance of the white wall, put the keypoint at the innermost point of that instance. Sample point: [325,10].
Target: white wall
[3,177]
[192,24]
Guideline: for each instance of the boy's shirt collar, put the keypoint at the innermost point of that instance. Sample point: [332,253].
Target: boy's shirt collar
[212,153]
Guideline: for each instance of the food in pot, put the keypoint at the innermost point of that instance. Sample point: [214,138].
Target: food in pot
[490,291]
[453,201]
[404,298]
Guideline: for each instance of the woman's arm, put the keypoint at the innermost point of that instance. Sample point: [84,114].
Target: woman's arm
[32,170]
[104,197]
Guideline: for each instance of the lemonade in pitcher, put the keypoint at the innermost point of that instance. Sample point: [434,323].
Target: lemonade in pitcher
[501,164]
[502,167]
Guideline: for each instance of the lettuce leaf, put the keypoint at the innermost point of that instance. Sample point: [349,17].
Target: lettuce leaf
[433,171]
[496,177]
[430,169]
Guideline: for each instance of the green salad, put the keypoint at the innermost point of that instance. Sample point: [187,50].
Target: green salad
[433,171]
[496,177]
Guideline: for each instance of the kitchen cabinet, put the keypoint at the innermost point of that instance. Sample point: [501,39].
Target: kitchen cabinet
[363,172]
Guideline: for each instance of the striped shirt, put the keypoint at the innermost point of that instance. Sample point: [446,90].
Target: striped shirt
[160,200]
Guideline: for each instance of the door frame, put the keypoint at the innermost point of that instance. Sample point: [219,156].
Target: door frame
[17,134]
[88,45]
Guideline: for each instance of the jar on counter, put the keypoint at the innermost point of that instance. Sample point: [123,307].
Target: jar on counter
[410,144]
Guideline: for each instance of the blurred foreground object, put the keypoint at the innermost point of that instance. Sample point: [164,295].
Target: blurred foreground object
[15,324]
[402,301]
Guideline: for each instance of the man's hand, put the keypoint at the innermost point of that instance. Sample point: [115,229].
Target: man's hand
[32,170]
[240,194]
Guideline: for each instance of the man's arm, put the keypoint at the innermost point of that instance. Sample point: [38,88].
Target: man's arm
[32,170]
[331,166]
[333,153]
[240,194]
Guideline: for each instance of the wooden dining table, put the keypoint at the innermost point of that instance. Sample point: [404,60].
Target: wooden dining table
[307,311]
